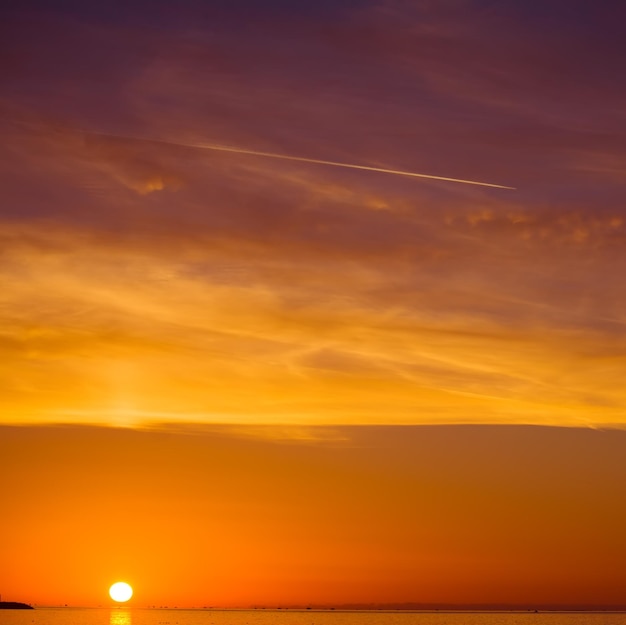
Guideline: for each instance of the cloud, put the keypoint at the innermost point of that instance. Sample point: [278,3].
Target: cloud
[103,327]
[152,281]
[135,167]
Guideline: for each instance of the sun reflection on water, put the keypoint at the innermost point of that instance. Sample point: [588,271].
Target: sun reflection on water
[120,617]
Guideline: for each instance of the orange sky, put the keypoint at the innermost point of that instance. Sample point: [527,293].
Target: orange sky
[275,517]
[234,379]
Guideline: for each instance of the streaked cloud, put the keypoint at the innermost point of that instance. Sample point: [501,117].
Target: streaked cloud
[152,282]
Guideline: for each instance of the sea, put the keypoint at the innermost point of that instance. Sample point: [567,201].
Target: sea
[138,616]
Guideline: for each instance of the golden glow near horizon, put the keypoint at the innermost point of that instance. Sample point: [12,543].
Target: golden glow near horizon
[238,517]
[120,592]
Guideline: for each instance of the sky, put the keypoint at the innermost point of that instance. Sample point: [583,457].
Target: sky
[288,381]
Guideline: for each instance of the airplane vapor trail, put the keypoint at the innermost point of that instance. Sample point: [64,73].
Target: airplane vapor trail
[316,161]
[287,157]
[302,159]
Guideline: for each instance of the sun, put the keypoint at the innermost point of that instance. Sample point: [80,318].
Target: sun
[121,592]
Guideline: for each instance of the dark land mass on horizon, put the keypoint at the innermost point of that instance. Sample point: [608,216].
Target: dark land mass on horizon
[15,605]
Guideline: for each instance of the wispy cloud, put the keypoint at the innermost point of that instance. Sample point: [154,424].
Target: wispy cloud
[145,279]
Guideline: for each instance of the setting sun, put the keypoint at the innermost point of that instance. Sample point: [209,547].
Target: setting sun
[121,592]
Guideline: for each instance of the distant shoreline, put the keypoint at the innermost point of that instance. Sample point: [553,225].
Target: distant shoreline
[448,610]
[15,605]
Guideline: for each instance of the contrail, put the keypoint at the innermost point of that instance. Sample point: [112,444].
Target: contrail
[317,161]
[300,159]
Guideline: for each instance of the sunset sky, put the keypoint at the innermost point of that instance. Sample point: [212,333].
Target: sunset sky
[232,379]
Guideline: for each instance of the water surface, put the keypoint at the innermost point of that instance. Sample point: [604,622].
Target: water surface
[138,616]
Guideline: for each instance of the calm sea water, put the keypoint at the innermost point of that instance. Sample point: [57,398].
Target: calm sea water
[137,616]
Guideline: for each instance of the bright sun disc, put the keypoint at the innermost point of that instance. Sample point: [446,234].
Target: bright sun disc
[121,591]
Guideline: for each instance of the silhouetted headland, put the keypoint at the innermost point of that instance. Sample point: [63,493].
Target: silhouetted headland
[15,605]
